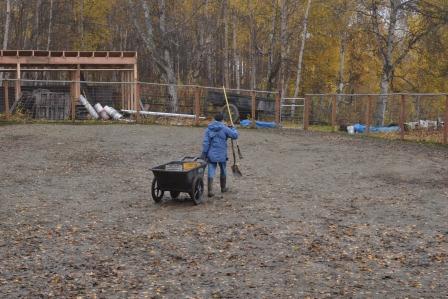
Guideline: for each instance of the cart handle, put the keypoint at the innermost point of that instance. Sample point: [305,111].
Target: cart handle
[189,158]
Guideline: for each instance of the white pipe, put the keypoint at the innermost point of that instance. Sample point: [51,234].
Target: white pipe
[162,114]
[88,107]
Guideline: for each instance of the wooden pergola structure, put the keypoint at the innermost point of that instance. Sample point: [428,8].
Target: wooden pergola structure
[74,62]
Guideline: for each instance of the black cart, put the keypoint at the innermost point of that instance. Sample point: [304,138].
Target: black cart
[185,175]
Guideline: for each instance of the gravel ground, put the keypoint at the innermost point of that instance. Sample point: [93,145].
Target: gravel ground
[315,215]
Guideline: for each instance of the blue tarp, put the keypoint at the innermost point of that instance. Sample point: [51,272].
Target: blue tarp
[362,128]
[259,124]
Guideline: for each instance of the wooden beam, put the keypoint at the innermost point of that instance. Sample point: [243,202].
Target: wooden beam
[402,115]
[18,87]
[75,91]
[253,108]
[197,105]
[34,60]
[6,98]
[369,114]
[277,108]
[306,113]
[333,112]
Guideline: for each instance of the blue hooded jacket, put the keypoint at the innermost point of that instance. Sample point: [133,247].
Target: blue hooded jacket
[215,141]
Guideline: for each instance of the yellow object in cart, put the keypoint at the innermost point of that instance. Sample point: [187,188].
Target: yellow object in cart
[190,165]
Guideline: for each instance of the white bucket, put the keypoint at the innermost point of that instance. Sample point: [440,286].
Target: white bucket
[351,130]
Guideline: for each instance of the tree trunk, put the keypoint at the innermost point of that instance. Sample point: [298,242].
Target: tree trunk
[388,66]
[7,24]
[253,48]
[342,62]
[168,61]
[36,31]
[225,62]
[302,49]
[283,45]
[50,25]
[236,57]
[269,75]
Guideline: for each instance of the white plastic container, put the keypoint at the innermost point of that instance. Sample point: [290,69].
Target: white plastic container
[351,130]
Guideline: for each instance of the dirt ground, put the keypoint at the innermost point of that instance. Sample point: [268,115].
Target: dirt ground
[315,214]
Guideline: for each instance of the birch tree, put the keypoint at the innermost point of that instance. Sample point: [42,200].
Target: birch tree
[159,49]
[395,39]
[302,49]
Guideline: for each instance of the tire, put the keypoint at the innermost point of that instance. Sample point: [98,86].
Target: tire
[156,193]
[174,194]
[198,191]
[234,110]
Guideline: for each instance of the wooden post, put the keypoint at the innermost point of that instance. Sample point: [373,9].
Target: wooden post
[197,105]
[277,108]
[6,97]
[137,100]
[445,125]
[253,108]
[122,87]
[402,115]
[306,113]
[369,114]
[18,87]
[333,112]
[75,91]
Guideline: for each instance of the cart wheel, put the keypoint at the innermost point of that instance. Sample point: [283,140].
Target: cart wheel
[198,190]
[156,193]
[174,194]
[233,109]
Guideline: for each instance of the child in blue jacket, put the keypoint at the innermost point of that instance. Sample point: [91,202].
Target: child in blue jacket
[214,150]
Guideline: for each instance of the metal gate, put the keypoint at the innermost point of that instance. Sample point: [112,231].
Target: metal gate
[292,112]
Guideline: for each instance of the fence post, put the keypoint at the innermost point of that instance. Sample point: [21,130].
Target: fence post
[18,86]
[138,101]
[445,124]
[197,105]
[333,112]
[402,115]
[75,90]
[306,113]
[277,108]
[253,108]
[6,97]
[369,113]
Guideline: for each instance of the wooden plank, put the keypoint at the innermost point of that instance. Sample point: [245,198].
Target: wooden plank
[333,112]
[6,98]
[402,115]
[197,105]
[253,108]
[277,108]
[75,91]
[306,113]
[369,114]
[36,60]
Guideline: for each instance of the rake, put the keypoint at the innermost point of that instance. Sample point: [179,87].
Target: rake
[235,169]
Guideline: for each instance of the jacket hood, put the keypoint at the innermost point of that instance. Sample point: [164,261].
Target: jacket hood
[216,126]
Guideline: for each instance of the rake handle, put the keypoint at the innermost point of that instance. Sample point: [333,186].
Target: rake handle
[240,155]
